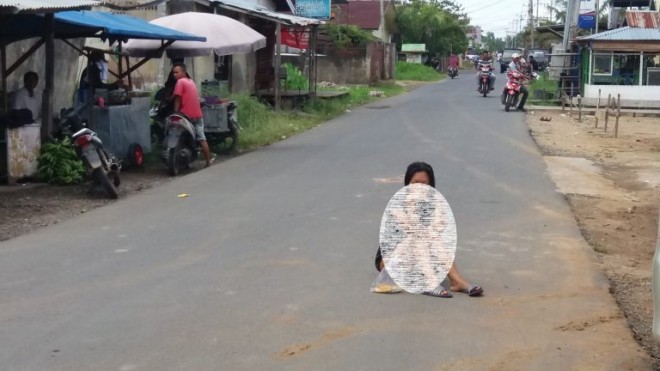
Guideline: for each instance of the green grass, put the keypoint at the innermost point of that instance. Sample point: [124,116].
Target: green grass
[262,126]
[416,72]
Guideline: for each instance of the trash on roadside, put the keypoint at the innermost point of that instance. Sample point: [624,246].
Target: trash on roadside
[183,195]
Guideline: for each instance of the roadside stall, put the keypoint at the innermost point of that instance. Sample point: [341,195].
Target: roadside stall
[117,124]
[224,36]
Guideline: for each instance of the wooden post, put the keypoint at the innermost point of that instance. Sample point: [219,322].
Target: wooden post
[579,108]
[278,64]
[607,109]
[3,71]
[618,113]
[49,90]
[597,106]
[570,107]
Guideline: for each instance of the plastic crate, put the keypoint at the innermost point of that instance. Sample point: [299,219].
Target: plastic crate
[215,118]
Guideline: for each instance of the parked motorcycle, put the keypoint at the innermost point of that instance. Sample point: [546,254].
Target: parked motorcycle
[182,148]
[484,79]
[452,71]
[100,163]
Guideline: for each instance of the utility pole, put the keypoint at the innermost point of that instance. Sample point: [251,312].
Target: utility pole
[570,22]
[530,22]
[597,15]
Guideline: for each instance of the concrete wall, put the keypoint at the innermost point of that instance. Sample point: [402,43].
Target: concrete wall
[342,69]
[631,96]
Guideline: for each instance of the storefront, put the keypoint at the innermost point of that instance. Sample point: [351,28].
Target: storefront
[114,29]
[623,61]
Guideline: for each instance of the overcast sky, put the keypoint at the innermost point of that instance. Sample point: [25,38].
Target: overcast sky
[497,15]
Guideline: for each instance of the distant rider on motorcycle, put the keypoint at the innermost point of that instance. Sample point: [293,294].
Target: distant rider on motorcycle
[486,60]
[453,64]
[518,64]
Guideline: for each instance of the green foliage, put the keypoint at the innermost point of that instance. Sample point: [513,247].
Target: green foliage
[544,83]
[347,36]
[493,43]
[262,126]
[433,23]
[295,80]
[59,163]
[416,72]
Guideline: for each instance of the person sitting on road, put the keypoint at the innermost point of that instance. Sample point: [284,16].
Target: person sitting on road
[186,101]
[422,173]
[517,65]
[486,60]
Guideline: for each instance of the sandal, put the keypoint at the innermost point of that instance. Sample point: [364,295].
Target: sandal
[439,292]
[472,290]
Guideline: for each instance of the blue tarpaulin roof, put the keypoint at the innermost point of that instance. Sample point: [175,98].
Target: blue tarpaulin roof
[73,24]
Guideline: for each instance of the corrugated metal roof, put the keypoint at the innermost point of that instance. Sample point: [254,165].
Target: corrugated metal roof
[44,6]
[642,19]
[259,11]
[625,34]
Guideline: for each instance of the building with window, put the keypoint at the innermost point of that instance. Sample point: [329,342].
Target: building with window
[624,61]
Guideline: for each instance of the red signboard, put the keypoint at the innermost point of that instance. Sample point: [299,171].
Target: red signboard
[295,38]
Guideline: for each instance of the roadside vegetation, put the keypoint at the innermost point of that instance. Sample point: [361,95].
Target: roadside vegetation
[544,91]
[417,72]
[261,125]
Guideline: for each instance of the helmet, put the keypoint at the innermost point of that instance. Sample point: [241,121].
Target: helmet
[515,55]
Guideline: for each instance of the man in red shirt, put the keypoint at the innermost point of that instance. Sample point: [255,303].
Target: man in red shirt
[186,101]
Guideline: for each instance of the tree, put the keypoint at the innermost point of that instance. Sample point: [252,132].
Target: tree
[430,23]
[492,43]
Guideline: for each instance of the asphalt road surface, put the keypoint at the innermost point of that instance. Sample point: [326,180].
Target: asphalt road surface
[267,264]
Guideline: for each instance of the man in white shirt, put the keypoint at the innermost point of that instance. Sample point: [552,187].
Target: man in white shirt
[27,96]
[517,64]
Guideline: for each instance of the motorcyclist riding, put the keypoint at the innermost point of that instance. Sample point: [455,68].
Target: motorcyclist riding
[486,60]
[453,64]
[517,64]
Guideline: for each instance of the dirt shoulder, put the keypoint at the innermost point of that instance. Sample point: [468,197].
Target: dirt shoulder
[27,207]
[613,187]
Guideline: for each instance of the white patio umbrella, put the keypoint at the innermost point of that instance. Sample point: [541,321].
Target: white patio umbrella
[224,36]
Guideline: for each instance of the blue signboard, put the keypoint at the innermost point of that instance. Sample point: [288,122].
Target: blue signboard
[319,9]
[587,19]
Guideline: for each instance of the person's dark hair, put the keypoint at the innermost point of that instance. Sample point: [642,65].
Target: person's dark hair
[96,56]
[179,64]
[417,167]
[30,75]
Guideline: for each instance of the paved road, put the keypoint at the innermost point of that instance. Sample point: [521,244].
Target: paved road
[267,265]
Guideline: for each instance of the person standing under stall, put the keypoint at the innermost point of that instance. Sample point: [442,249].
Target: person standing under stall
[422,173]
[27,97]
[186,101]
[95,75]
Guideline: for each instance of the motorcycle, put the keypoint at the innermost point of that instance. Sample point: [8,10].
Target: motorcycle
[181,147]
[99,162]
[511,91]
[484,79]
[452,71]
